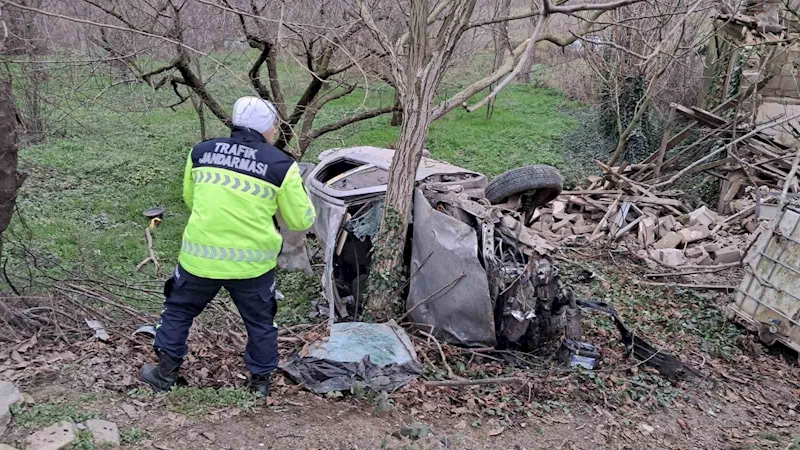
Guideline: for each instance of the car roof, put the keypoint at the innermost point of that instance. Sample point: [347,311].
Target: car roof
[382,158]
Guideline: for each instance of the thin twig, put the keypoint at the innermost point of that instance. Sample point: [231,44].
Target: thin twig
[441,353]
[479,382]
[431,297]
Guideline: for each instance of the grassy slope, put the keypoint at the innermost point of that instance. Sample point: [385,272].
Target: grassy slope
[83,200]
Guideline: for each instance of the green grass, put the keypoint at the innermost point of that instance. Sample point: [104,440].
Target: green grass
[299,289]
[132,435]
[45,414]
[81,206]
[193,401]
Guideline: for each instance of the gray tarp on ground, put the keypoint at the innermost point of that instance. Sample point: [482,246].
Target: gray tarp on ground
[460,314]
[379,355]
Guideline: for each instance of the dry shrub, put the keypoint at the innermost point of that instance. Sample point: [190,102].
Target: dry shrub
[573,78]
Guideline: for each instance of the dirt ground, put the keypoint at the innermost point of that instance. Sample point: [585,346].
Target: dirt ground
[746,397]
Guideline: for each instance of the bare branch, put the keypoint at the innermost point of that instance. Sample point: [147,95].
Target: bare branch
[528,55]
[557,9]
[394,61]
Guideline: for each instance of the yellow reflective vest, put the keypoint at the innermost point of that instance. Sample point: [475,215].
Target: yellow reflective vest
[234,186]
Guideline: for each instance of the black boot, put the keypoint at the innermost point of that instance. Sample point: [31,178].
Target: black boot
[260,384]
[163,376]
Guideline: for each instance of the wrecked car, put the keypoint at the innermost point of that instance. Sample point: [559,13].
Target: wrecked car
[478,275]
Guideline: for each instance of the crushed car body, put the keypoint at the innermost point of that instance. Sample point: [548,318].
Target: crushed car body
[478,275]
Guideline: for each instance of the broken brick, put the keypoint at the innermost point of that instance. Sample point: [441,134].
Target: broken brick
[702,216]
[671,240]
[668,256]
[696,233]
[665,225]
[728,255]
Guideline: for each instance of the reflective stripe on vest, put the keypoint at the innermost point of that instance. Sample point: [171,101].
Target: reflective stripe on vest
[228,254]
[233,181]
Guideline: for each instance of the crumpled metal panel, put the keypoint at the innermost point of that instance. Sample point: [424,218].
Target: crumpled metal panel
[326,227]
[451,293]
[769,296]
[382,158]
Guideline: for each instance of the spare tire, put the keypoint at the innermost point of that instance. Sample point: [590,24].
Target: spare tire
[543,183]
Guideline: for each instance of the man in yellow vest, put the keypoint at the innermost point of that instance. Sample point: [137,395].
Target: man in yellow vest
[233,186]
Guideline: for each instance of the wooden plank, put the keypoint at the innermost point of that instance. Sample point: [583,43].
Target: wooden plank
[721,108]
[597,231]
[575,200]
[649,201]
[711,165]
[709,117]
[664,140]
[773,155]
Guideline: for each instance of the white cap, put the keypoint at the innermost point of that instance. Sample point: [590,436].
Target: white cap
[255,113]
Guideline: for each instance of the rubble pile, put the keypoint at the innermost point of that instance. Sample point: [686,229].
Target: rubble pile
[636,205]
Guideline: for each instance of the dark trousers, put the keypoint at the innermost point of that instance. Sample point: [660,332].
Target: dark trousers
[187,296]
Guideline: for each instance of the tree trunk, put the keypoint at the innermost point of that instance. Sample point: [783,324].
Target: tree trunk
[416,94]
[397,111]
[10,179]
[387,253]
[199,106]
[525,74]
[501,42]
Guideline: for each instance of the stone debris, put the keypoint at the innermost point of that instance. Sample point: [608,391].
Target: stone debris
[55,437]
[9,395]
[103,432]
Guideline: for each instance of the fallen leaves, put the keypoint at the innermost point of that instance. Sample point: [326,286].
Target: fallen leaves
[496,431]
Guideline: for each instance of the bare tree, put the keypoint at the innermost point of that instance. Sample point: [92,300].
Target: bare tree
[429,42]
[10,179]
[324,39]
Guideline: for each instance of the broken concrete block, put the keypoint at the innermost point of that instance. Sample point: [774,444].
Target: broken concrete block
[103,432]
[54,437]
[647,231]
[670,240]
[694,252]
[695,233]
[645,256]
[9,395]
[728,255]
[712,247]
[665,225]
[559,209]
[566,231]
[705,260]
[702,216]
[668,256]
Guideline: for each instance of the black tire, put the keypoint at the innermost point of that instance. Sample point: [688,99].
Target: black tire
[543,183]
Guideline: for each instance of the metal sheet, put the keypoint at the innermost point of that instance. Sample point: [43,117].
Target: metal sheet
[382,158]
[451,293]
[769,296]
[326,227]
